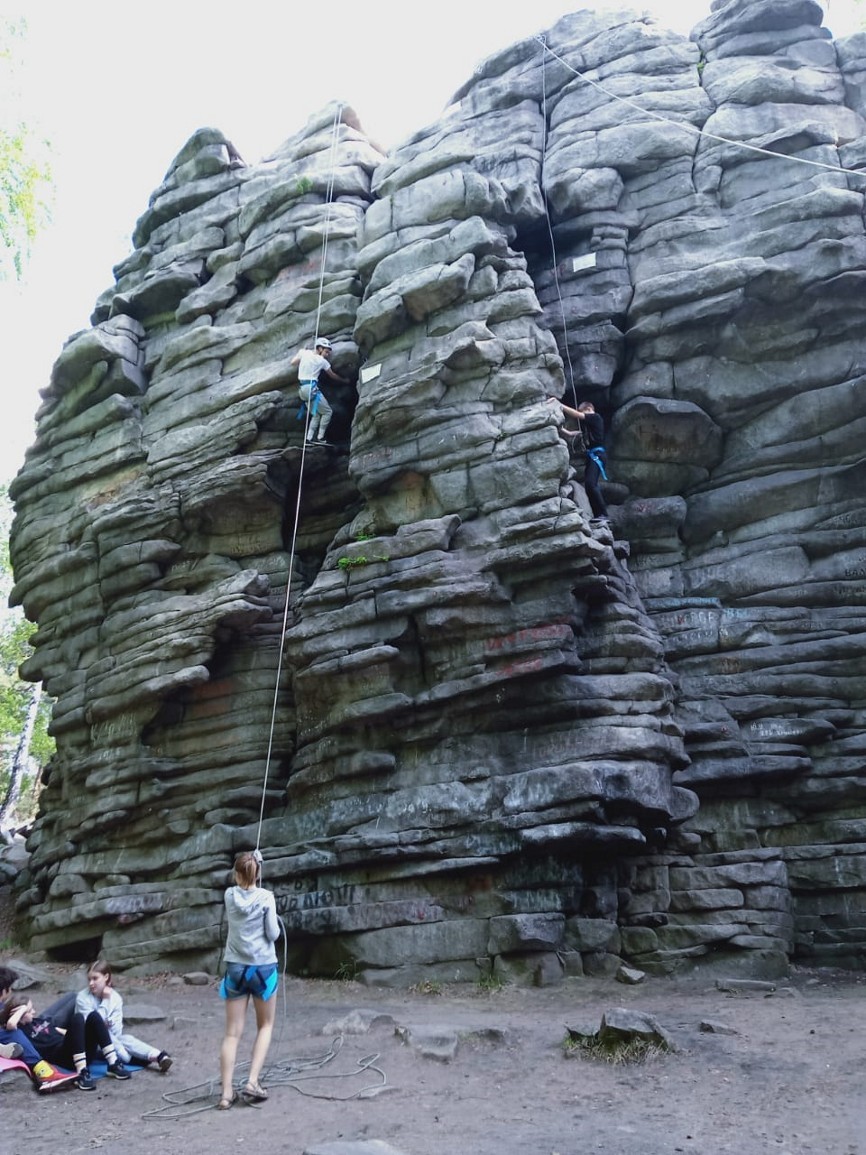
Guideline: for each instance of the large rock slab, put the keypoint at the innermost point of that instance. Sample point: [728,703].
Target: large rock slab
[473,731]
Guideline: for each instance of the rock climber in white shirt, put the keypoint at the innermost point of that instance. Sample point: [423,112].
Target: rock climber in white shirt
[311,363]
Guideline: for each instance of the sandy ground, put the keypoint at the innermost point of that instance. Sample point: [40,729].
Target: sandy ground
[788,1079]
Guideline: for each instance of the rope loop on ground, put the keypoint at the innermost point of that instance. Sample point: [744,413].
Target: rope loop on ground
[287,1072]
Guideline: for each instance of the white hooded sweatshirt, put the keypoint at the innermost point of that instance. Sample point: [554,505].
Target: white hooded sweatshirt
[253,926]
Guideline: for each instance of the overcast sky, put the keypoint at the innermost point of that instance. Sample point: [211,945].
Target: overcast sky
[118,89]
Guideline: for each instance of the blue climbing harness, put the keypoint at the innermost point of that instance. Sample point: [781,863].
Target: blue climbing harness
[596,454]
[258,981]
[314,399]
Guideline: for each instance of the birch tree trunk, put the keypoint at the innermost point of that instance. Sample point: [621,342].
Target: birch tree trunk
[22,757]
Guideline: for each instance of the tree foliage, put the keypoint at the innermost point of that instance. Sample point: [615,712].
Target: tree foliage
[25,745]
[24,171]
[16,696]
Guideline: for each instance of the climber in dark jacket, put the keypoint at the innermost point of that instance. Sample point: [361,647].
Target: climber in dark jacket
[592,427]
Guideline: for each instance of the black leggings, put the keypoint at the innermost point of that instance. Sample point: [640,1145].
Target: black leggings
[590,483]
[84,1037]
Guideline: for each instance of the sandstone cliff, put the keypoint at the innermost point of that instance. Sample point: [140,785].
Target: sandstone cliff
[470,728]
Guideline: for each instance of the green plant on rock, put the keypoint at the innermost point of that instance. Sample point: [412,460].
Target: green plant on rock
[427,987]
[490,983]
[619,1051]
[349,562]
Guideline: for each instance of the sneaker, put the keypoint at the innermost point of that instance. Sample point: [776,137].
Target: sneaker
[163,1061]
[85,1081]
[11,1050]
[48,1078]
[118,1071]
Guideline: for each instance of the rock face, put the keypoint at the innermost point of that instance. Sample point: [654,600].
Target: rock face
[471,730]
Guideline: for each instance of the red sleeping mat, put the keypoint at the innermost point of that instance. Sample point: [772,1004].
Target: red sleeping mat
[20,1065]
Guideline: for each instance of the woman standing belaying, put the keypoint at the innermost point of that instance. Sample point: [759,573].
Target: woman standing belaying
[251,972]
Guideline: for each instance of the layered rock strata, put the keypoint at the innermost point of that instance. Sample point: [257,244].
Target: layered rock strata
[154,545]
[470,729]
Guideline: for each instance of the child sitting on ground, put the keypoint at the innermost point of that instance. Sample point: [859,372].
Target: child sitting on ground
[102,997]
[9,1048]
[14,1043]
[75,1047]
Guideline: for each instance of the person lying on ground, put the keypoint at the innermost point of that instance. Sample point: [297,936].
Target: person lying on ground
[9,1048]
[75,1048]
[16,1044]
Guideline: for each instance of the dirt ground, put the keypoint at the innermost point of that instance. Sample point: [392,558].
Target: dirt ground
[788,1079]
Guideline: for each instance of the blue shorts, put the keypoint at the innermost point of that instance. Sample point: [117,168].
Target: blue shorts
[240,980]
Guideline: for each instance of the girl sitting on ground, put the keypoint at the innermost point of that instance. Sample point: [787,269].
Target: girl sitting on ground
[74,1048]
[102,997]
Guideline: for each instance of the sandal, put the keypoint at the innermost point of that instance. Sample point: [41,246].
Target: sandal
[254,1093]
[224,1104]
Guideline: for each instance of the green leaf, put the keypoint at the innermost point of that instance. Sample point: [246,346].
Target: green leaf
[25,173]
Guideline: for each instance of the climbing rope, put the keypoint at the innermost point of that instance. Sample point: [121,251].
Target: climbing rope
[685,126]
[288,1072]
[329,194]
[190,1101]
[329,197]
[555,261]
[693,129]
[546,49]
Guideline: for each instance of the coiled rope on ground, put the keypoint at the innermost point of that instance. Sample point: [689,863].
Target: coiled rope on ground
[287,1072]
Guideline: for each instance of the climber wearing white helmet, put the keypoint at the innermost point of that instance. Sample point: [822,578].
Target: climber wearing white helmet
[311,363]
